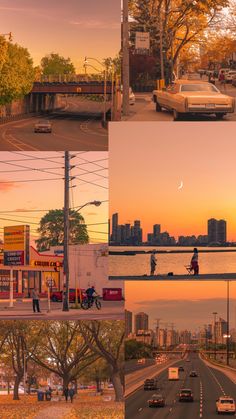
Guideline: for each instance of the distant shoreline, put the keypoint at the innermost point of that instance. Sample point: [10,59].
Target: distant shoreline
[143,252]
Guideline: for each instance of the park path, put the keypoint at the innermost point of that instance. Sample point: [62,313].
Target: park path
[52,412]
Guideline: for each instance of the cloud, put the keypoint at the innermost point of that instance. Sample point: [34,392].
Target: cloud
[5,187]
[95,24]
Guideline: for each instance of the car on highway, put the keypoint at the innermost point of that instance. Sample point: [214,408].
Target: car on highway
[186,395]
[181,368]
[57,296]
[225,404]
[150,384]
[193,374]
[193,97]
[157,400]
[43,126]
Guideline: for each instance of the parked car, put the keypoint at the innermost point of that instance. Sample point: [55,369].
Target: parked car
[157,400]
[186,395]
[185,97]
[57,296]
[225,404]
[43,126]
[229,76]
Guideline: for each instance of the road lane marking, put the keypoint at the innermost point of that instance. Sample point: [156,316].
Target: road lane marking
[201,400]
[18,144]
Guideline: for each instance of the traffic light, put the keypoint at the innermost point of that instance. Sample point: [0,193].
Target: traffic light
[10,36]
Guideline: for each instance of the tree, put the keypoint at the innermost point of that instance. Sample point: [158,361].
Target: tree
[55,64]
[3,51]
[106,340]
[51,230]
[21,340]
[63,351]
[178,22]
[17,73]
[98,372]
[135,350]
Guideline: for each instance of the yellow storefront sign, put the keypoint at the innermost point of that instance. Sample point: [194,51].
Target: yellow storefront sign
[15,238]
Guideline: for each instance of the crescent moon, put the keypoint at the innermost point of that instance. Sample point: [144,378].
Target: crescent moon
[181,185]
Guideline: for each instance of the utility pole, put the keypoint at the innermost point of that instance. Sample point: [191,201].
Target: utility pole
[66,233]
[214,314]
[125,57]
[228,337]
[161,46]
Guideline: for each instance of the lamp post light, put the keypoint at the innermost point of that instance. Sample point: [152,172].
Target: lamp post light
[97,204]
[228,335]
[86,64]
[214,314]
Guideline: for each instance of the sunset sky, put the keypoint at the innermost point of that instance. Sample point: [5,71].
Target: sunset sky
[45,190]
[187,304]
[148,162]
[73,28]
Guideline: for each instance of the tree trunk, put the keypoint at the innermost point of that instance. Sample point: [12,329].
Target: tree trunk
[116,381]
[16,388]
[66,381]
[98,384]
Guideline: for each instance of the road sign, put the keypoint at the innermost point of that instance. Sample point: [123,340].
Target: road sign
[142,40]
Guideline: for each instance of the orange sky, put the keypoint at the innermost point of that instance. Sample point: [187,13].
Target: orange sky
[48,194]
[187,304]
[148,161]
[73,28]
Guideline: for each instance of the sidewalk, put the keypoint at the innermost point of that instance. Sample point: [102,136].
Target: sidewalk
[23,310]
[201,277]
[52,412]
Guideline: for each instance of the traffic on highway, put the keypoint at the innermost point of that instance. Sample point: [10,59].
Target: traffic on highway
[187,389]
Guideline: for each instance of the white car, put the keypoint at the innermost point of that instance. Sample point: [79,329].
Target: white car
[131,96]
[225,404]
[43,126]
[229,76]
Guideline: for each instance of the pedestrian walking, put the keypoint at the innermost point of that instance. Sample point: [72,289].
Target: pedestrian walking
[222,79]
[153,263]
[35,300]
[71,393]
[194,262]
[66,393]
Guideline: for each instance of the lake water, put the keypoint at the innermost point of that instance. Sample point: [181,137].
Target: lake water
[209,263]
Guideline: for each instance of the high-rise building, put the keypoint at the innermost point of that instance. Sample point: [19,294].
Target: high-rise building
[128,322]
[221,231]
[140,321]
[114,227]
[156,230]
[220,330]
[217,231]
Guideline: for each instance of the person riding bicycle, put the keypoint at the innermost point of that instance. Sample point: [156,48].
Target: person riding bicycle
[91,292]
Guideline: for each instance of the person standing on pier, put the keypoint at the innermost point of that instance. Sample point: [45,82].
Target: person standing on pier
[194,262]
[153,263]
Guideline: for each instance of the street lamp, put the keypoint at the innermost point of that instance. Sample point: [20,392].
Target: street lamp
[86,64]
[215,314]
[228,335]
[66,294]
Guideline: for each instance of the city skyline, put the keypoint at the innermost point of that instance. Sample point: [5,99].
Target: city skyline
[64,25]
[146,171]
[190,304]
[132,234]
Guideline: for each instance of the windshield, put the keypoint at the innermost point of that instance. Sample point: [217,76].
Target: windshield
[227,401]
[204,87]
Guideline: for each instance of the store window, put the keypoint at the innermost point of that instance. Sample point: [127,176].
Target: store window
[31,280]
[5,280]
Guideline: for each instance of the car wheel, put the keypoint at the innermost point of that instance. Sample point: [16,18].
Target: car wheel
[177,115]
[219,116]
[158,107]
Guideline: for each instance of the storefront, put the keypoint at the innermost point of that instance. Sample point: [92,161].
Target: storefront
[42,268]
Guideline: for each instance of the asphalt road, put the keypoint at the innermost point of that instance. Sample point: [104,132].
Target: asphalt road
[77,127]
[144,109]
[207,387]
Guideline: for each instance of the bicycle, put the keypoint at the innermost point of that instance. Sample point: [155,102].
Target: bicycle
[88,303]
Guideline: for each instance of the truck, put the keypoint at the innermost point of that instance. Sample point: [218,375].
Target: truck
[173,373]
